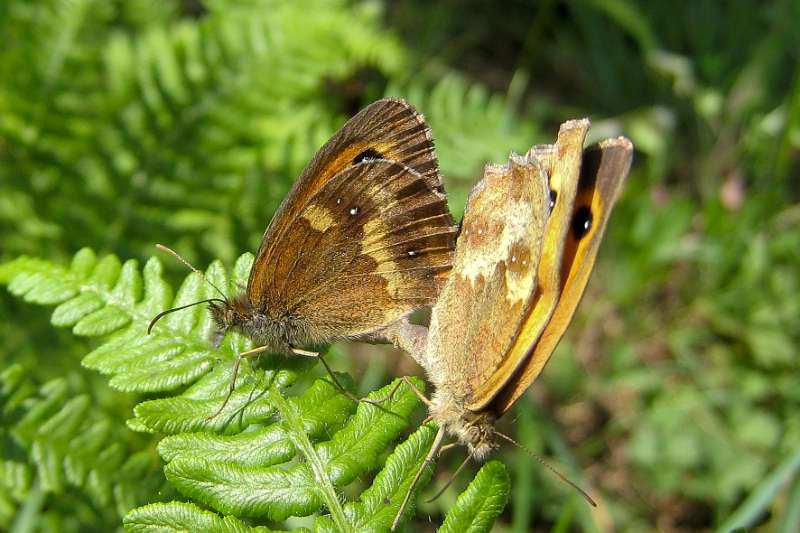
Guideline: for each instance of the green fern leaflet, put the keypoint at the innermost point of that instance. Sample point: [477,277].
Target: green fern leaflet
[270,455]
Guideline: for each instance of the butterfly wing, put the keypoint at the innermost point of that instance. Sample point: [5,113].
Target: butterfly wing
[489,290]
[603,174]
[375,242]
[387,129]
[564,161]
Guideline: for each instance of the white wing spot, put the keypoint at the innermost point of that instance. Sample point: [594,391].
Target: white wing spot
[353,210]
[338,201]
[412,253]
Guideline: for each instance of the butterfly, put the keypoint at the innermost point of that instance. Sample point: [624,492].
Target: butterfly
[528,243]
[363,238]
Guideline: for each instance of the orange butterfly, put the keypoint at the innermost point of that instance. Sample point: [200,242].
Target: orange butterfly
[529,239]
[363,238]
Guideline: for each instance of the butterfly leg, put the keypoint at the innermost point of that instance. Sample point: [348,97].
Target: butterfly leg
[437,443]
[455,474]
[306,353]
[414,389]
[232,387]
[450,447]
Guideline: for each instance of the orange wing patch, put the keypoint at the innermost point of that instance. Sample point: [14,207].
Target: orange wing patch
[605,168]
[566,159]
[319,218]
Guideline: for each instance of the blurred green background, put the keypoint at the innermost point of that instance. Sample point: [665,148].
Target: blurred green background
[674,397]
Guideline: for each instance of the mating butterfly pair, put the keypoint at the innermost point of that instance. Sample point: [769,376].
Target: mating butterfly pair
[365,237]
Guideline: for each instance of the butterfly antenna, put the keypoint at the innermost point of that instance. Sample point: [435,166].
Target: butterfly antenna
[544,463]
[437,443]
[452,478]
[162,314]
[191,267]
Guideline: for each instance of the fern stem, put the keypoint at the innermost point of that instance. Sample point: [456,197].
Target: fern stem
[294,426]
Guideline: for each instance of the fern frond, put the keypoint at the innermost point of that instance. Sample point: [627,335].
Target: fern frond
[483,501]
[265,456]
[185,97]
[172,129]
[55,439]
[277,489]
[471,126]
[324,411]
[379,504]
[180,517]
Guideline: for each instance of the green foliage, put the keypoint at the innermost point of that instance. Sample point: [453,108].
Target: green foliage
[180,516]
[124,123]
[192,131]
[243,462]
[751,509]
[54,439]
[484,499]
[733,328]
[231,103]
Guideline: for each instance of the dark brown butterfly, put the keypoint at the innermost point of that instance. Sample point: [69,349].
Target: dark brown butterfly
[363,238]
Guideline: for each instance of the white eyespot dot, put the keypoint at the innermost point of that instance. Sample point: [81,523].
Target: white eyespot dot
[524,262]
[480,232]
[338,201]
[513,258]
[353,210]
[412,253]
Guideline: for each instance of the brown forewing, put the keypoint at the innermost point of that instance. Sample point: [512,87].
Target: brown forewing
[493,278]
[373,244]
[387,129]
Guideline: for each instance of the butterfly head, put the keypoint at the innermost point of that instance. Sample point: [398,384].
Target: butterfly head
[231,313]
[473,429]
[476,431]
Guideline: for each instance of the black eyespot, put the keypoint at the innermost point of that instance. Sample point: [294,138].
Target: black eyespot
[553,196]
[581,222]
[369,153]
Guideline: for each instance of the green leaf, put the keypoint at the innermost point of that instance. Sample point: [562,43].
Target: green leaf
[253,482]
[65,442]
[180,517]
[477,507]
[764,494]
[358,446]
[379,504]
[191,411]
[323,408]
[791,518]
